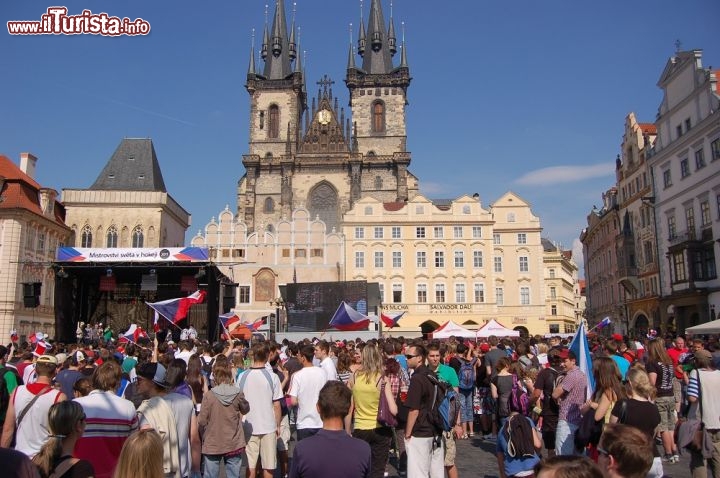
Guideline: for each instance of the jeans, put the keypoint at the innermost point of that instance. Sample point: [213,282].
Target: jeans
[212,465]
[303,433]
[379,440]
[565,438]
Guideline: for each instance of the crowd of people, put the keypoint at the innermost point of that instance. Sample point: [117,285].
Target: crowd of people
[160,410]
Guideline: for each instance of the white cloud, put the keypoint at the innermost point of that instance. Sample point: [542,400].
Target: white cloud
[565,174]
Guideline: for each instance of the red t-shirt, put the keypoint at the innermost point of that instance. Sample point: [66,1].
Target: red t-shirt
[676,355]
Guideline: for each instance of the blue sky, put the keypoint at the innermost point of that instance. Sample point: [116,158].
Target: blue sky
[503,92]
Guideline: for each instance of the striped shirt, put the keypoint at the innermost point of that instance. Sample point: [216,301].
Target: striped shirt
[109,421]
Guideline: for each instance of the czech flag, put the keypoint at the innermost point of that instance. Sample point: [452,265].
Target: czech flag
[176,310]
[229,320]
[347,318]
[133,334]
[604,323]
[390,320]
[581,349]
[255,325]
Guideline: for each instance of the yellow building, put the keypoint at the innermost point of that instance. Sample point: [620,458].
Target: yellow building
[563,298]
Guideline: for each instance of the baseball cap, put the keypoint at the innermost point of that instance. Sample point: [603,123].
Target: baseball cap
[563,353]
[617,337]
[154,372]
[47,359]
[703,354]
[78,356]
[61,357]
[484,347]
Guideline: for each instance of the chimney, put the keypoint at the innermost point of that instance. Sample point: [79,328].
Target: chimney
[27,164]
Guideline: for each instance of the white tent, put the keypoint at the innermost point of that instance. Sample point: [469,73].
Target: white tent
[495,328]
[706,328]
[449,329]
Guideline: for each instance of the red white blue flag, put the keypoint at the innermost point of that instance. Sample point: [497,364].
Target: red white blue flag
[229,320]
[176,310]
[254,326]
[133,334]
[347,318]
[391,320]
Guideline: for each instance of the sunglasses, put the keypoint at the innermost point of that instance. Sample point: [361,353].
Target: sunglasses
[602,451]
[408,356]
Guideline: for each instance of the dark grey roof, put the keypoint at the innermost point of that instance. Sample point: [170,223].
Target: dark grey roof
[548,245]
[132,167]
[278,67]
[377,62]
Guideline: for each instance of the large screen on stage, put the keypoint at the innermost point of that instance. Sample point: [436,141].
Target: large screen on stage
[311,305]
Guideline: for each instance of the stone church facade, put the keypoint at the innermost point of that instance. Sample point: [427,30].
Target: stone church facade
[316,156]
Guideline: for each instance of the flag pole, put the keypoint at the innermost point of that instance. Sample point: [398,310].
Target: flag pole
[227,332]
[380,322]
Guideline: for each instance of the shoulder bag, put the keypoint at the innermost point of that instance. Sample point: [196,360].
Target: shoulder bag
[384,417]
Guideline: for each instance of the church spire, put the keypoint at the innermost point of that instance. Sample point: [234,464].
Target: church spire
[377,59]
[403,53]
[392,41]
[361,34]
[251,66]
[351,53]
[277,63]
[292,46]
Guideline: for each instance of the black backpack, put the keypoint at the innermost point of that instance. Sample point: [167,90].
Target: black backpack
[4,394]
[206,369]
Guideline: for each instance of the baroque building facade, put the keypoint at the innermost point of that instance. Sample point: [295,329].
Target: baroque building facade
[32,227]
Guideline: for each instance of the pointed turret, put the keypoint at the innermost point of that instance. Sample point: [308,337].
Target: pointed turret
[291,44]
[403,53]
[251,66]
[351,57]
[266,37]
[277,63]
[361,34]
[392,40]
[377,59]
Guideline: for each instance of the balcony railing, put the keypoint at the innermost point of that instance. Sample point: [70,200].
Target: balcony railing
[683,236]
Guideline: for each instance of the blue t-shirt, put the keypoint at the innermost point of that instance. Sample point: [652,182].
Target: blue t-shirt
[348,457]
[402,360]
[515,465]
[622,364]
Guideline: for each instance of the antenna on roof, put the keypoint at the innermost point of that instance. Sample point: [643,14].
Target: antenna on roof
[678,44]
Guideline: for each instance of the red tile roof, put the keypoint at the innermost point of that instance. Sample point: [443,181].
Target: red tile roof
[648,128]
[21,191]
[717,76]
[393,206]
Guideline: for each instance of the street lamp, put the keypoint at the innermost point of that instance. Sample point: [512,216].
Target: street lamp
[279,304]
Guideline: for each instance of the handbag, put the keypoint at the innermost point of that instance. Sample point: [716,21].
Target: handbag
[589,431]
[384,417]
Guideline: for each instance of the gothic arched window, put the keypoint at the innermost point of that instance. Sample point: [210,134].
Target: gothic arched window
[112,237]
[138,237]
[324,204]
[269,205]
[378,117]
[86,237]
[274,120]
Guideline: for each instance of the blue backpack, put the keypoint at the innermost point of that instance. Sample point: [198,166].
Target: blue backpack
[467,374]
[446,406]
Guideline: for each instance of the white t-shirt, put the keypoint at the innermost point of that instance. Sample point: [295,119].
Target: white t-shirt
[260,395]
[184,354]
[305,385]
[328,365]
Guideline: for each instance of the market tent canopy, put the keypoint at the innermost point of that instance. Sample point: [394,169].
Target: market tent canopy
[495,328]
[706,328]
[451,329]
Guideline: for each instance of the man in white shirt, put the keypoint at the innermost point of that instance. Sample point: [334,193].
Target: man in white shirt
[322,353]
[263,392]
[185,351]
[305,386]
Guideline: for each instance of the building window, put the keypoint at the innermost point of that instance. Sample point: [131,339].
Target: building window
[86,236]
[457,232]
[678,130]
[460,293]
[552,273]
[422,293]
[378,182]
[397,293]
[672,228]
[690,222]
[112,237]
[477,232]
[439,259]
[511,217]
[678,259]
[479,292]
[379,259]
[244,294]
[553,293]
[499,296]
[553,311]
[705,213]
[368,210]
[477,259]
[138,237]
[700,158]
[359,233]
[522,238]
[381,286]
[420,232]
[316,253]
[396,234]
[379,232]
[667,178]
[496,238]
[359,259]
[274,118]
[524,295]
[438,232]
[300,253]
[684,168]
[238,253]
[286,252]
[704,264]
[554,328]
[269,205]
[715,149]
[497,264]
[378,117]
[421,259]
[439,293]
[41,242]
[688,124]
[524,266]
[648,252]
[459,259]
[397,259]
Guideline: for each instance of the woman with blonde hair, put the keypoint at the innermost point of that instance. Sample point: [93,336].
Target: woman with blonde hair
[141,456]
[66,422]
[367,384]
[660,370]
[639,411]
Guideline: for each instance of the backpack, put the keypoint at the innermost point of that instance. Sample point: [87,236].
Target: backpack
[445,405]
[4,394]
[519,400]
[467,374]
[206,370]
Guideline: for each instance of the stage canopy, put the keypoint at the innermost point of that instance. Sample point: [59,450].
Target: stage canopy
[495,328]
[451,329]
[712,327]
